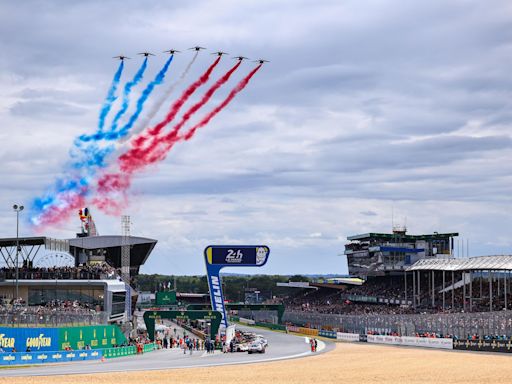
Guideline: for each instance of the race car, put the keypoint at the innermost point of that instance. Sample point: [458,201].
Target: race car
[256,347]
[242,347]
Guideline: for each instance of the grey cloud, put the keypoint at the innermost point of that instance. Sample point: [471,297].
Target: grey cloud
[363,103]
[45,109]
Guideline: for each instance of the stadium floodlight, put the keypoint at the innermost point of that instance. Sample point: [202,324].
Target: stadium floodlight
[18,209]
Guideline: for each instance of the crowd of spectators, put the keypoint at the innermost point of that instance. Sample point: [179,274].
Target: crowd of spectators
[330,301]
[52,307]
[82,272]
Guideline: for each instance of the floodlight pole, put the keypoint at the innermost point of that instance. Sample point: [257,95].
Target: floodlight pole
[18,209]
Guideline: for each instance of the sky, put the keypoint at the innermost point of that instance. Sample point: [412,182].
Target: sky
[369,112]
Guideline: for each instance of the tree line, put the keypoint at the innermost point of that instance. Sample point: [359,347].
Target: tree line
[234,287]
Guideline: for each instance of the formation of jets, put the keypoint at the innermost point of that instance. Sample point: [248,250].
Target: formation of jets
[197,49]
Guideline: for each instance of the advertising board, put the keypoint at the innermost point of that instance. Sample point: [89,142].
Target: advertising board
[219,256]
[37,339]
[426,342]
[347,336]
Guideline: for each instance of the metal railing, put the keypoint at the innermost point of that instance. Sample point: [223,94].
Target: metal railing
[458,325]
[72,274]
[37,317]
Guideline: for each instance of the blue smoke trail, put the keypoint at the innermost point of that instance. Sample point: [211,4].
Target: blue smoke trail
[87,159]
[126,94]
[142,99]
[111,97]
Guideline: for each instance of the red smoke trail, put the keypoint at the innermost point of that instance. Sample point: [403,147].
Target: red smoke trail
[118,183]
[137,157]
[241,85]
[68,203]
[175,107]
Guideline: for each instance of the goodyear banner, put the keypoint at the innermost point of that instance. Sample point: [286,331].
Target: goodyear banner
[96,336]
[37,339]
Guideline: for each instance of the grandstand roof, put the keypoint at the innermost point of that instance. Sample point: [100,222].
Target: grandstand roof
[392,236]
[140,247]
[481,263]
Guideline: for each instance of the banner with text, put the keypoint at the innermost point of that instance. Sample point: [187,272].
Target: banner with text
[219,256]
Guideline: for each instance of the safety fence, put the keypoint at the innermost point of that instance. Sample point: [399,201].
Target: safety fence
[440,343]
[483,345]
[457,325]
[33,317]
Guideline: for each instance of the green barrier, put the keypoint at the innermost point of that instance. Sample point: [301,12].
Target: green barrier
[149,347]
[111,353]
[96,336]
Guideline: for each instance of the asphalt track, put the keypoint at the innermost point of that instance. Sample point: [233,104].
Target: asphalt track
[280,346]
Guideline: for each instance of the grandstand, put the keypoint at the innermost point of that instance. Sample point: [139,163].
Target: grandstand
[89,282]
[411,286]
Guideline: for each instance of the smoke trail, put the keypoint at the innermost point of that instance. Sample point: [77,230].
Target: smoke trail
[144,96]
[176,106]
[55,206]
[240,86]
[137,157]
[160,152]
[117,184]
[126,94]
[158,104]
[111,97]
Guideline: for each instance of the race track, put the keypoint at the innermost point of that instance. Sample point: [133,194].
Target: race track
[281,346]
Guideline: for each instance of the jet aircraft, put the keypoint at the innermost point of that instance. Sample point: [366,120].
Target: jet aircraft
[121,57]
[171,51]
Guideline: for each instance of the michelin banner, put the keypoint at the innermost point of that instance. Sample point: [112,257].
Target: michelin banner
[217,257]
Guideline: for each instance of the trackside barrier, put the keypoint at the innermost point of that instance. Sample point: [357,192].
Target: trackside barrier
[304,330]
[427,342]
[328,334]
[110,353]
[504,346]
[243,320]
[18,358]
[347,336]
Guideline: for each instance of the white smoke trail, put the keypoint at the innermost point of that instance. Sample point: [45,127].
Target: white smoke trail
[143,122]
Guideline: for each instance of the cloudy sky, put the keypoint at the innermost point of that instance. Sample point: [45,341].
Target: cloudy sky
[367,107]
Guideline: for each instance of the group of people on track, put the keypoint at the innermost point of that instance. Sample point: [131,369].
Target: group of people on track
[313,344]
[185,342]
